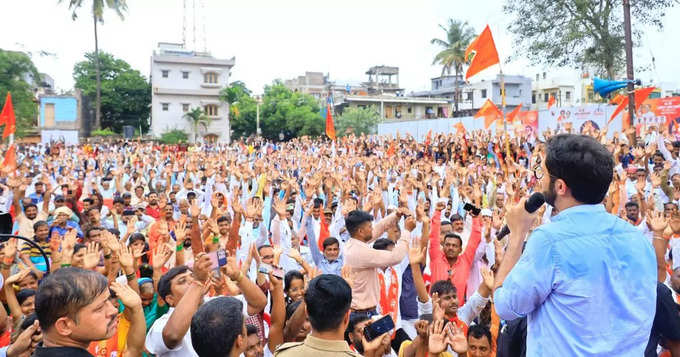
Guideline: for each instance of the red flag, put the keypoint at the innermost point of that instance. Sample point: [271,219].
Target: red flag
[490,112]
[640,96]
[428,139]
[551,101]
[391,150]
[7,117]
[513,114]
[9,164]
[485,51]
[323,232]
[330,128]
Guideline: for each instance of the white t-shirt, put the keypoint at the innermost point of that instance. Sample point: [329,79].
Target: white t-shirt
[154,339]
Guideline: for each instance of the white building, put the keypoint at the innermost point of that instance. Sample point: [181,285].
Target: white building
[182,80]
[563,89]
[474,95]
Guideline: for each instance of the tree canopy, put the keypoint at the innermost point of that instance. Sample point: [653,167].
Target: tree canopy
[357,121]
[281,111]
[126,94]
[579,32]
[16,69]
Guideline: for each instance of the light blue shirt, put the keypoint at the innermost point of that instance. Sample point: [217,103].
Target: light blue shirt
[587,284]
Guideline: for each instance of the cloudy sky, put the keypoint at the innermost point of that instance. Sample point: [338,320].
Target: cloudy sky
[282,39]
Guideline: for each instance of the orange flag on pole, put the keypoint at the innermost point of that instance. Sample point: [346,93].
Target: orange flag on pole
[330,127]
[7,117]
[551,101]
[513,114]
[9,164]
[485,55]
[640,96]
[490,112]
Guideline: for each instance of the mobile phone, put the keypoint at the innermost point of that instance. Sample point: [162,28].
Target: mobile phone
[266,268]
[379,327]
[472,209]
[221,257]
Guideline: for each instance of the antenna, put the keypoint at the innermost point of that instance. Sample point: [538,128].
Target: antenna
[194,24]
[184,24]
[205,37]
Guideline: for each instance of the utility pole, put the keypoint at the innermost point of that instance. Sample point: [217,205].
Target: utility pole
[629,61]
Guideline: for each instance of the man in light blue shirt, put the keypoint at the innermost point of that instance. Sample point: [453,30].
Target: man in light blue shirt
[587,280]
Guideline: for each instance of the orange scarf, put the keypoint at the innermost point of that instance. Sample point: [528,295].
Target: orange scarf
[388,299]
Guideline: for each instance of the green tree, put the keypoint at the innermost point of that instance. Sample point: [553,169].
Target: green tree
[98,6]
[197,119]
[578,32]
[174,136]
[126,93]
[242,109]
[357,121]
[458,37]
[281,111]
[289,112]
[15,69]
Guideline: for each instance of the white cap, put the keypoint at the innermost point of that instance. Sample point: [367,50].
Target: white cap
[486,212]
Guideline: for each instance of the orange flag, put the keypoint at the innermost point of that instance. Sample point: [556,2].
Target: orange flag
[7,117]
[513,114]
[485,51]
[9,164]
[640,96]
[490,112]
[551,101]
[330,127]
[323,232]
[617,99]
[391,150]
[460,128]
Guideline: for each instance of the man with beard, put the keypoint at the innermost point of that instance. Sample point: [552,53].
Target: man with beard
[587,278]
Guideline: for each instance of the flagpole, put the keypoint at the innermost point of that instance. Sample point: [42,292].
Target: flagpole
[505,123]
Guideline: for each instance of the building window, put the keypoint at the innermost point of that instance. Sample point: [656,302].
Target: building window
[165,106]
[185,74]
[210,110]
[545,97]
[533,97]
[210,77]
[409,110]
[483,93]
[185,107]
[568,95]
[165,73]
[468,96]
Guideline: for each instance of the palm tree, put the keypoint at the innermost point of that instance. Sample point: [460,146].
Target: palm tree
[197,118]
[458,37]
[119,6]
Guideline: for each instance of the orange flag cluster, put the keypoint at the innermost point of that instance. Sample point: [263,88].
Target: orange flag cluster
[485,53]
[622,100]
[490,112]
[7,117]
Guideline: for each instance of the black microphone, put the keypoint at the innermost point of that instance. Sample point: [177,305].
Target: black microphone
[535,201]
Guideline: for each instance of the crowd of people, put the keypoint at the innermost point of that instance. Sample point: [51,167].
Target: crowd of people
[367,245]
